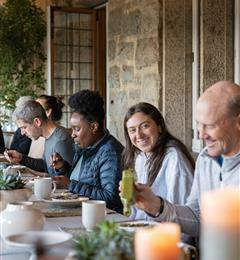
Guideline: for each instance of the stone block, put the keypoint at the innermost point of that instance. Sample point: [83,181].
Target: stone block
[125,50]
[147,52]
[127,74]
[111,50]
[118,104]
[135,95]
[131,22]
[150,87]
[115,22]
[150,20]
[114,77]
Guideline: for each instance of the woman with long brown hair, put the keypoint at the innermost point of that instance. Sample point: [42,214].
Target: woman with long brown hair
[160,160]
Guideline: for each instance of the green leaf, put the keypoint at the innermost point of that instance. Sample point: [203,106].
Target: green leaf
[22,62]
[11,182]
[106,242]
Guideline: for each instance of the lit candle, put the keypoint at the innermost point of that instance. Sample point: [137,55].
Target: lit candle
[220,231]
[158,243]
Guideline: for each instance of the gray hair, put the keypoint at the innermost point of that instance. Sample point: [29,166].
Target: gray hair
[28,111]
[23,100]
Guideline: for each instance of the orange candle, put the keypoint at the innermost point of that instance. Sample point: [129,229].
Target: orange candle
[220,229]
[158,243]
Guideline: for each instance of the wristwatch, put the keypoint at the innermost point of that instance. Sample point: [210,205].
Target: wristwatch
[160,209]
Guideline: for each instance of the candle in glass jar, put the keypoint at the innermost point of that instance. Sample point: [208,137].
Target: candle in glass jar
[220,230]
[158,243]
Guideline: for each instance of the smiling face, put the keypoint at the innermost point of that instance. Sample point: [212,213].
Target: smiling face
[32,131]
[83,132]
[220,132]
[143,131]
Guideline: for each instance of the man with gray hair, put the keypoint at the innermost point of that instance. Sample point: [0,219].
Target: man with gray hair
[20,142]
[33,122]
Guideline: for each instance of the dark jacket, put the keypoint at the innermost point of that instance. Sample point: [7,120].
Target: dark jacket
[100,171]
[20,142]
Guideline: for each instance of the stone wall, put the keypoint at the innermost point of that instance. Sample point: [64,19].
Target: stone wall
[150,57]
[217,44]
[177,66]
[134,63]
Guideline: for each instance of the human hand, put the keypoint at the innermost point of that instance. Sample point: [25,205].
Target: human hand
[56,161]
[145,199]
[62,181]
[13,156]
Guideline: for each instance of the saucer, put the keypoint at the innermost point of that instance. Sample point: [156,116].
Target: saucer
[66,202]
[31,238]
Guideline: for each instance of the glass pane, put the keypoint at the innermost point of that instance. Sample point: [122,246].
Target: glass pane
[73,20]
[76,54]
[85,21]
[60,87]
[85,38]
[86,71]
[60,70]
[76,37]
[59,19]
[60,36]
[85,84]
[85,54]
[60,53]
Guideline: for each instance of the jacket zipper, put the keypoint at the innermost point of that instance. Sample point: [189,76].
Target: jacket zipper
[221,180]
[220,177]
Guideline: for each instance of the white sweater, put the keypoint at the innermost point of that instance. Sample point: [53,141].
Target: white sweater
[173,181]
[206,178]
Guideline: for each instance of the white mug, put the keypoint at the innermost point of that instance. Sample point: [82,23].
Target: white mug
[93,212]
[44,187]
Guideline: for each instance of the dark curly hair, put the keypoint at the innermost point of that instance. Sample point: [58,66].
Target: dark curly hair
[54,103]
[89,104]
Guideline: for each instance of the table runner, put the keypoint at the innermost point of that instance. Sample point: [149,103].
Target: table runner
[50,210]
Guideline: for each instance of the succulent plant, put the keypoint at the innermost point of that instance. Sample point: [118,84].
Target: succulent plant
[11,182]
[107,242]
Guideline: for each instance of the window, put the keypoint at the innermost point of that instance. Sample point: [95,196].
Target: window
[74,59]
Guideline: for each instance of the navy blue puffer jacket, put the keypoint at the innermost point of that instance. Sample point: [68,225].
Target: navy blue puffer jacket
[100,171]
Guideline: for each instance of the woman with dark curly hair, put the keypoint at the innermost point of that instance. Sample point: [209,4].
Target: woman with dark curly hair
[96,169]
[160,160]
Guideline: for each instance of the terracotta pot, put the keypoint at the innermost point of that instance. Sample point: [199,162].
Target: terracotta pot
[20,217]
[8,196]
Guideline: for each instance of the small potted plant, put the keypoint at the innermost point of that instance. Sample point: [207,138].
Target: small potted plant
[12,188]
[106,242]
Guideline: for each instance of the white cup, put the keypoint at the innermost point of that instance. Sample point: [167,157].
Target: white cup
[44,187]
[93,212]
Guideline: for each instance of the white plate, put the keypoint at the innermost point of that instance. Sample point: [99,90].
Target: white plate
[132,226]
[67,202]
[30,238]
[76,232]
